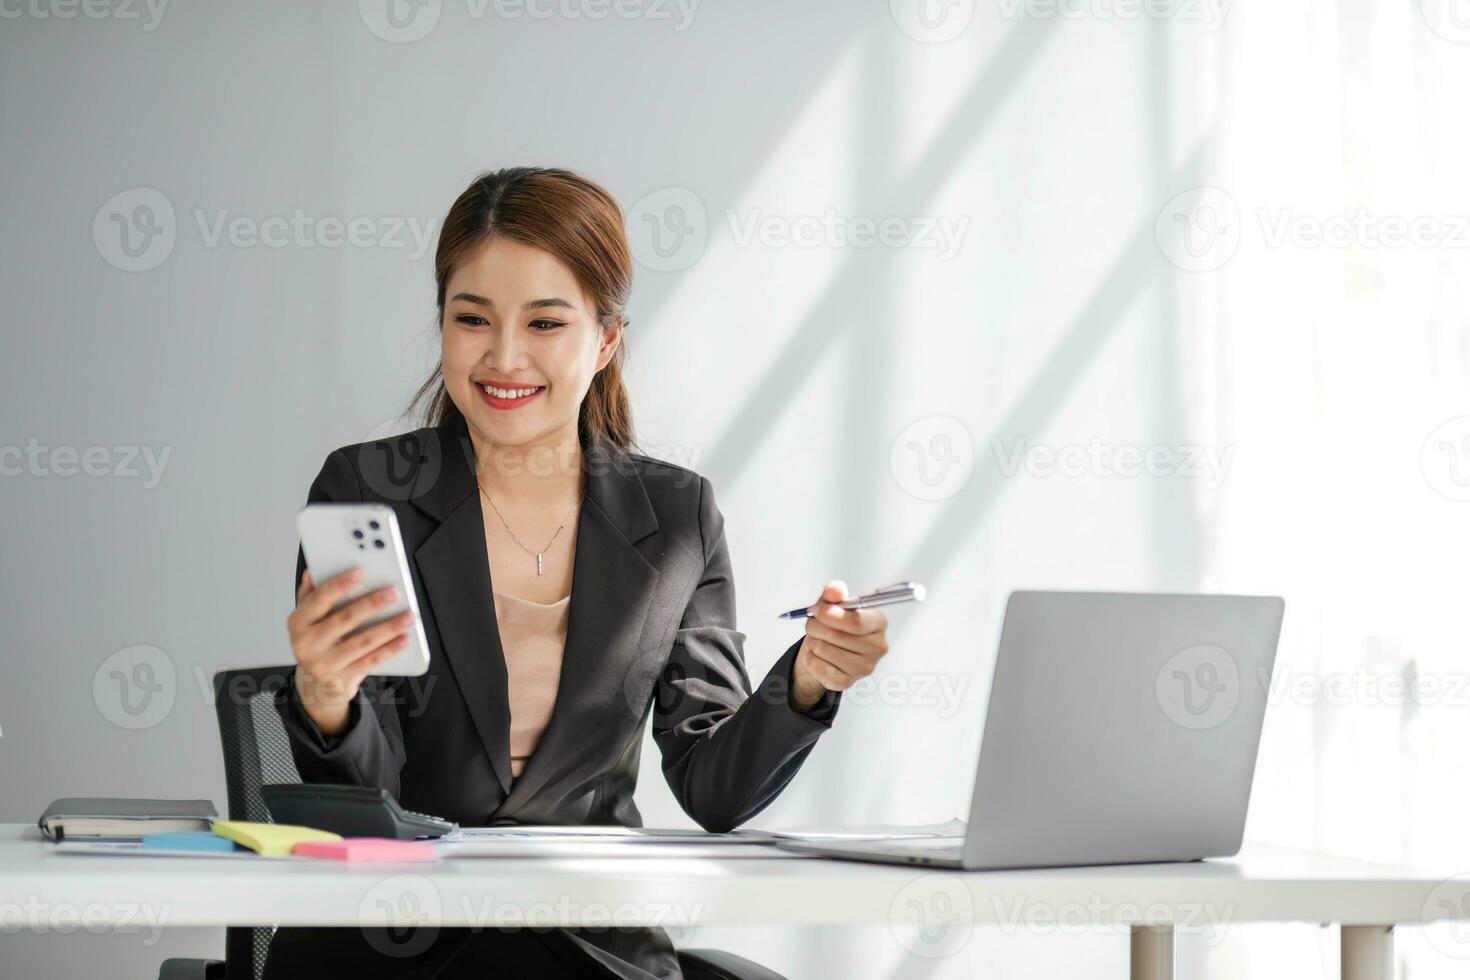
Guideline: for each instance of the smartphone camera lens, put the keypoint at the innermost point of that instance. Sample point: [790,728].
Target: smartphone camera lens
[378,543]
[357,534]
[374,525]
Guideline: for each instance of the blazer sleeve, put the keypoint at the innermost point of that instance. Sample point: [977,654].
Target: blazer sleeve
[370,751]
[727,751]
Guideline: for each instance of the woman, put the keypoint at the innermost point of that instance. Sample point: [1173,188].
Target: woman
[593,587]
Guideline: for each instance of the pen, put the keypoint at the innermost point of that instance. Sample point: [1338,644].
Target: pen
[886,596]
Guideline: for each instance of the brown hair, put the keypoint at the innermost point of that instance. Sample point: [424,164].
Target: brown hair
[580,223]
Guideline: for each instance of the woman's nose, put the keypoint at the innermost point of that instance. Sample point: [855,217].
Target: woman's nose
[506,354]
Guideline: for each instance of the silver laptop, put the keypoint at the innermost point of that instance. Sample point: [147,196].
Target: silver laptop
[1122,728]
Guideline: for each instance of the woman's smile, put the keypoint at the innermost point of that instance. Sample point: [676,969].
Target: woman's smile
[506,398]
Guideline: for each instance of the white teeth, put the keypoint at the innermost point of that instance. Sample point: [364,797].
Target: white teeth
[509,392]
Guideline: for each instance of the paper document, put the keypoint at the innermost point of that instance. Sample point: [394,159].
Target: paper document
[603,834]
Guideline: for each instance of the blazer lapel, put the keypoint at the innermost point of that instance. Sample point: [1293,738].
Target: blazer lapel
[612,587]
[455,571]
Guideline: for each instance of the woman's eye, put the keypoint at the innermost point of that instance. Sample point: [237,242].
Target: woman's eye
[546,325]
[471,319]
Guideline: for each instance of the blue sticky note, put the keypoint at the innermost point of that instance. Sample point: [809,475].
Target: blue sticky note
[187,840]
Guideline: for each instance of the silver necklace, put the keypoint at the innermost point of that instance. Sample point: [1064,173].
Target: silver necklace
[539,555]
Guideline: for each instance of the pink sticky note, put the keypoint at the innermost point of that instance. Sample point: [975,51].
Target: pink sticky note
[366,849]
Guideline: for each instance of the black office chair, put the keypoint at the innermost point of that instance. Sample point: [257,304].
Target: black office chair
[257,751]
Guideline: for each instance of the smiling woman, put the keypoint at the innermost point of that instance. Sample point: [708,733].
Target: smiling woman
[498,232]
[594,592]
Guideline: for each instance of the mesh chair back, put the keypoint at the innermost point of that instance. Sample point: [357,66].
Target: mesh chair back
[257,751]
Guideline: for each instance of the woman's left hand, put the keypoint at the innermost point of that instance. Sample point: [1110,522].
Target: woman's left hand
[842,646]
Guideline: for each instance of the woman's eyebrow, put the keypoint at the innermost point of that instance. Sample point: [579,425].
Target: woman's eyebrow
[535,304]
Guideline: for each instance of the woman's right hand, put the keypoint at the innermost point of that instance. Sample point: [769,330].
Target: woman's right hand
[333,654]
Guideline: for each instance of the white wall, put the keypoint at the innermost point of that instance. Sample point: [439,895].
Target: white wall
[836,392]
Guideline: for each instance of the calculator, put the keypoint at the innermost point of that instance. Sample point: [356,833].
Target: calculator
[352,811]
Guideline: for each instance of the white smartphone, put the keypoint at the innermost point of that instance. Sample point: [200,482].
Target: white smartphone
[336,538]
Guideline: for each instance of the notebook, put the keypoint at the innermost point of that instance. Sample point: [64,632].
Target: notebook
[117,818]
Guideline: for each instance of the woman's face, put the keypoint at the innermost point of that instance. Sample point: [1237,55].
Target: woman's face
[514,320]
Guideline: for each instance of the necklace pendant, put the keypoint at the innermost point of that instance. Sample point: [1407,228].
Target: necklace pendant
[538,564]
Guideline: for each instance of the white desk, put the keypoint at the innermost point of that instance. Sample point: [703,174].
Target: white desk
[920,905]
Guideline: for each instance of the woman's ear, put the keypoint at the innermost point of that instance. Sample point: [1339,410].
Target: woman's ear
[611,338]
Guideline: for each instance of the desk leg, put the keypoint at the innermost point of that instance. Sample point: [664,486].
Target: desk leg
[1367,953]
[1151,953]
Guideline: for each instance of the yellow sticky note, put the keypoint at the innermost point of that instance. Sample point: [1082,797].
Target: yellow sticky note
[268,839]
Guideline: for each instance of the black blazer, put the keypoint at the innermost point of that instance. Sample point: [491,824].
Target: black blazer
[651,629]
